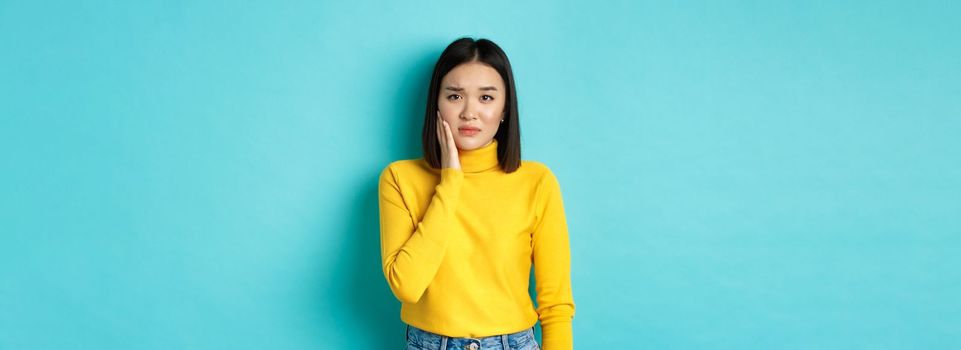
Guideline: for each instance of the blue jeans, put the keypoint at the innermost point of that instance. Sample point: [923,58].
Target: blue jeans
[419,339]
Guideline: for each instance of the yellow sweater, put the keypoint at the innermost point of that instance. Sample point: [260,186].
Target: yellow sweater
[457,247]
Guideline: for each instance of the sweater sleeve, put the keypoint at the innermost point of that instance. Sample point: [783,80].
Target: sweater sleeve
[552,271]
[411,252]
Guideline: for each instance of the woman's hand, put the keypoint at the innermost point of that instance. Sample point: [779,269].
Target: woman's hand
[448,149]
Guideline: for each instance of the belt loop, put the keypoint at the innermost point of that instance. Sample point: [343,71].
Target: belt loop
[504,341]
[443,342]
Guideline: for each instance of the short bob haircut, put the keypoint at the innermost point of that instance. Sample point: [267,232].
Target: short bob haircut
[508,134]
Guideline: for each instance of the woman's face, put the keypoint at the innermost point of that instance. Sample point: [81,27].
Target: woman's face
[471,100]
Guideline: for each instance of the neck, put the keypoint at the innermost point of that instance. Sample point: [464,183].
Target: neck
[481,159]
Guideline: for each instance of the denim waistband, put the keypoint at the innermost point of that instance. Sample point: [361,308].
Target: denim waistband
[432,341]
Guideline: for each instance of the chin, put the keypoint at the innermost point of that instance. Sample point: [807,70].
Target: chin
[467,145]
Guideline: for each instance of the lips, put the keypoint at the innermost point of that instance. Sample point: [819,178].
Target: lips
[468,130]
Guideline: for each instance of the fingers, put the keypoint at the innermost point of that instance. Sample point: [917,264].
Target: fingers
[452,155]
[437,130]
[449,135]
[442,140]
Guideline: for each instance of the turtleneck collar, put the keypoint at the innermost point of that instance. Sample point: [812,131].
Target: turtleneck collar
[480,159]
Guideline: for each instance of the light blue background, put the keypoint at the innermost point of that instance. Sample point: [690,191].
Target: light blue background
[202,175]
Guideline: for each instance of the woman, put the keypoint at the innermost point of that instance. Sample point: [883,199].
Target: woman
[461,227]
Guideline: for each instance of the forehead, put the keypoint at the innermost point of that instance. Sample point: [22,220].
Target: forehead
[473,75]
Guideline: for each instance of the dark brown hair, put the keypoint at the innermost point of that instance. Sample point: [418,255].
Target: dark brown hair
[508,134]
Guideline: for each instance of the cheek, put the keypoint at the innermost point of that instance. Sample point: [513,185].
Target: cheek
[446,110]
[492,122]
[493,115]
[494,110]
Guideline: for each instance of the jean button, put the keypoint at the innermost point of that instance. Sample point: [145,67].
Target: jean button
[472,346]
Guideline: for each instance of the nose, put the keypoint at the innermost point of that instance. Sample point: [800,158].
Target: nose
[469,113]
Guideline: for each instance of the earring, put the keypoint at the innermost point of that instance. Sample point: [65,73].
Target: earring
[502,120]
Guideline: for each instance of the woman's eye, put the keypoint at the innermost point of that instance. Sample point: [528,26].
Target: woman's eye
[488,97]
[451,97]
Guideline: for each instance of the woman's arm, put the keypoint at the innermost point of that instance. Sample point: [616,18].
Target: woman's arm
[412,252]
[552,267]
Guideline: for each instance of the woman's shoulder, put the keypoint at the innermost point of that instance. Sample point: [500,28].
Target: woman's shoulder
[539,172]
[534,165]
[541,177]
[535,168]
[416,166]
[416,163]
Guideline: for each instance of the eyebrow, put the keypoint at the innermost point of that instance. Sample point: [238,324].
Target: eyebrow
[482,88]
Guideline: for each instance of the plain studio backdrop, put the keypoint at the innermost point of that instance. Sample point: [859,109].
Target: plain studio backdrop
[736,175]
